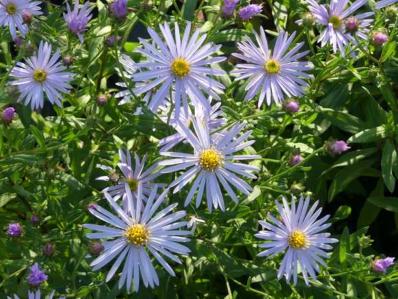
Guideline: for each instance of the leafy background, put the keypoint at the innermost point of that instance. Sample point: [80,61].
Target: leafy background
[48,159]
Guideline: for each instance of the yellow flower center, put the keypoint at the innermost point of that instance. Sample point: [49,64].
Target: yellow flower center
[133,184]
[180,67]
[40,75]
[210,159]
[11,8]
[335,21]
[137,234]
[297,240]
[272,66]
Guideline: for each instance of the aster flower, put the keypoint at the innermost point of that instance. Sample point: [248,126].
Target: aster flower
[229,7]
[135,233]
[134,179]
[214,120]
[337,147]
[272,74]
[381,265]
[12,12]
[36,295]
[40,74]
[383,3]
[14,230]
[180,64]
[334,17]
[213,162]
[119,8]
[78,18]
[298,233]
[249,11]
[358,26]
[36,276]
[129,68]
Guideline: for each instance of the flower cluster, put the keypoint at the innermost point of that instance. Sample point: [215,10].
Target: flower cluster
[180,79]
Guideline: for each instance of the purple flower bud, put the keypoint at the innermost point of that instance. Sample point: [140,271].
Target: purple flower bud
[8,115]
[48,249]
[18,41]
[247,12]
[352,24]
[35,219]
[379,38]
[337,147]
[14,230]
[119,8]
[27,16]
[112,40]
[229,7]
[295,159]
[381,265]
[95,248]
[291,106]
[36,277]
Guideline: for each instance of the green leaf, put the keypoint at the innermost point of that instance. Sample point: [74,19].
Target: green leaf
[344,177]
[279,12]
[342,213]
[351,158]
[342,120]
[344,245]
[369,211]
[387,203]
[369,135]
[231,35]
[388,50]
[368,214]
[5,198]
[38,136]
[388,160]
[130,46]
[188,9]
[337,94]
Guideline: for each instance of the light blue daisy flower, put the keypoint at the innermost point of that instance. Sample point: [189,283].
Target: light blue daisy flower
[12,11]
[297,232]
[179,64]
[276,74]
[214,162]
[41,74]
[134,233]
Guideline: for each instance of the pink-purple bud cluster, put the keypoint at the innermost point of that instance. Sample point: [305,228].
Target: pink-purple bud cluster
[247,12]
[229,7]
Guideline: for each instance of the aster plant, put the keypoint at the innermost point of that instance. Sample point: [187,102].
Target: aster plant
[276,74]
[215,121]
[179,64]
[78,18]
[12,12]
[136,180]
[36,295]
[339,23]
[213,163]
[41,74]
[134,233]
[298,233]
